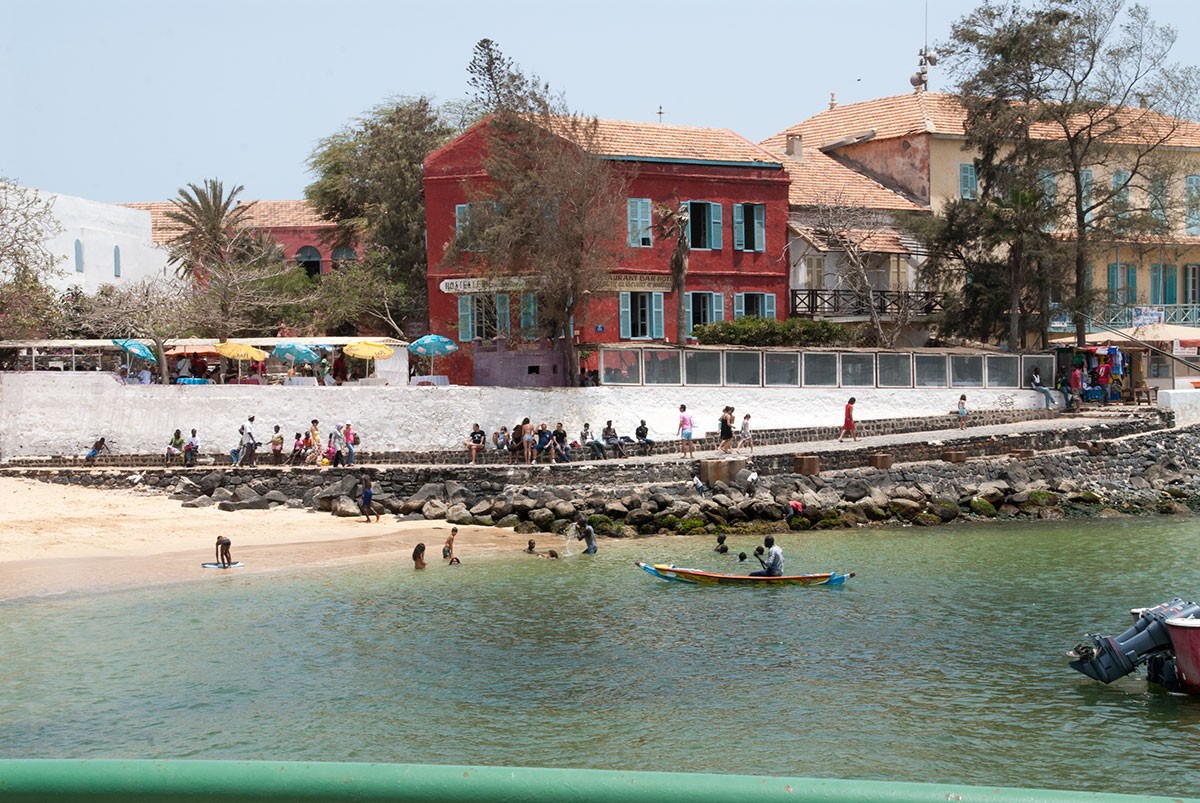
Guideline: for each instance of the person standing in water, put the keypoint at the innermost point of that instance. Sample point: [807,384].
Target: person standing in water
[223,556]
[448,547]
[585,532]
[419,556]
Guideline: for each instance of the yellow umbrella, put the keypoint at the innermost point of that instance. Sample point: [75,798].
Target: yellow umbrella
[240,351]
[368,350]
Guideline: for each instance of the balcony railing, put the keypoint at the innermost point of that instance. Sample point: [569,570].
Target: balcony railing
[1126,315]
[813,303]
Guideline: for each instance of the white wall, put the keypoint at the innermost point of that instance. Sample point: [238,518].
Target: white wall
[1185,404]
[50,413]
[100,227]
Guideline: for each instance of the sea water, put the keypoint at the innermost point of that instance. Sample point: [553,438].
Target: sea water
[943,660]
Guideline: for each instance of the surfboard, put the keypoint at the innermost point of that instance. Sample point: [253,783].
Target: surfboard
[236,565]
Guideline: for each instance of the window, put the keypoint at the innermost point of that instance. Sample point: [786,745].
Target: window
[1047,189]
[743,368]
[529,316]
[704,225]
[640,223]
[781,369]
[1191,192]
[483,315]
[79,256]
[931,370]
[895,370]
[1191,284]
[1043,363]
[968,184]
[754,305]
[966,371]
[641,316]
[309,258]
[702,367]
[1158,198]
[703,309]
[858,370]
[1122,283]
[814,266]
[1163,282]
[621,367]
[1120,193]
[117,261]
[820,370]
[750,227]
[468,238]
[1002,371]
[661,367]
[343,254]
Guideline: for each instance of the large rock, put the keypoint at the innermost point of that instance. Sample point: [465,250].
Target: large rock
[222,494]
[562,509]
[615,510]
[200,501]
[511,520]
[522,505]
[345,507]
[905,509]
[637,518]
[254,503]
[278,497]
[346,486]
[211,480]
[186,487]
[434,509]
[542,517]
[244,493]
[482,508]
[855,490]
[458,513]
[456,491]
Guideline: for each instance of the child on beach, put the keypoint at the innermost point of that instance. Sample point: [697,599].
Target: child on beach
[448,547]
[97,447]
[848,424]
[962,411]
[368,490]
[746,439]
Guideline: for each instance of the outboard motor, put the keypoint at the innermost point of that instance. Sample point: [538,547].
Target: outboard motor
[1108,658]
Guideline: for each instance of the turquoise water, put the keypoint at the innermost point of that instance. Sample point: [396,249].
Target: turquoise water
[942,661]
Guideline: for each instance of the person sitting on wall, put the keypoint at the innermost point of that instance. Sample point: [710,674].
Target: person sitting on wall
[642,433]
[588,439]
[560,442]
[611,439]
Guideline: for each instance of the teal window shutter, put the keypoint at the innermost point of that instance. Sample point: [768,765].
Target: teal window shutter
[503,323]
[968,187]
[760,227]
[687,311]
[647,223]
[117,261]
[1114,284]
[639,223]
[461,213]
[1158,198]
[769,306]
[686,206]
[739,305]
[79,256]
[714,236]
[1085,182]
[739,227]
[466,324]
[528,314]
[626,323]
[631,219]
[1156,284]
[1191,188]
[1130,283]
[656,316]
[717,308]
[1170,292]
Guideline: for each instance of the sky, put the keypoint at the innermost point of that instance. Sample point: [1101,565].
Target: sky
[129,100]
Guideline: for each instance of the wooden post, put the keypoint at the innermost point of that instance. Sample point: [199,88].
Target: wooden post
[879,460]
[954,456]
[808,464]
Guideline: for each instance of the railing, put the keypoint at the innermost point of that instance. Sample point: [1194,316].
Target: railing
[814,303]
[1126,315]
[109,781]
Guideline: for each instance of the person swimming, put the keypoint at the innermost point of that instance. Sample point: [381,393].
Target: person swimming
[552,554]
[418,556]
[721,547]
[532,548]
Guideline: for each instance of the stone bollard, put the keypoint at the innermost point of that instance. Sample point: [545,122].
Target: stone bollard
[954,456]
[808,464]
[1021,454]
[720,470]
[879,460]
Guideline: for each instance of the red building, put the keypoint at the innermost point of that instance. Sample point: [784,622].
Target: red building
[738,203]
[301,232]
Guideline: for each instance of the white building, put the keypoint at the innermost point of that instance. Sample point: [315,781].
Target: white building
[102,244]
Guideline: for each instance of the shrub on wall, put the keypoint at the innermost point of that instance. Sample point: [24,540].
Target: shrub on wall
[767,332]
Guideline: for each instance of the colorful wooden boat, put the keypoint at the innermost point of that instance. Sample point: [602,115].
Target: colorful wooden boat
[696,577]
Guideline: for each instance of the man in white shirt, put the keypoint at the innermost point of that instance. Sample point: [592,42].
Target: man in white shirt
[191,448]
[773,565]
[249,444]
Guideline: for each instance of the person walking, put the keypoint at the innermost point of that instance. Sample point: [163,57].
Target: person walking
[684,431]
[277,446]
[848,423]
[725,424]
[962,411]
[368,490]
[249,445]
[351,442]
[746,438]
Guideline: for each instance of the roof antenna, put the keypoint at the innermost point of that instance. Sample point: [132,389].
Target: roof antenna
[926,58]
[660,113]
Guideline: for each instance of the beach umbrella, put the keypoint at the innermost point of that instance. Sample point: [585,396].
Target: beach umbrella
[432,346]
[192,347]
[240,351]
[296,353]
[137,348]
[368,350]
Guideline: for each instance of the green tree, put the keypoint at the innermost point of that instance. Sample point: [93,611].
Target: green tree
[549,211]
[1079,88]
[362,291]
[368,183]
[29,307]
[213,228]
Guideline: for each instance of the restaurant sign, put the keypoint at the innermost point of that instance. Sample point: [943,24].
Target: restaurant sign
[613,283]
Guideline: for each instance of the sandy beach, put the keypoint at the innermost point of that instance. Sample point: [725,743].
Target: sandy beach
[57,539]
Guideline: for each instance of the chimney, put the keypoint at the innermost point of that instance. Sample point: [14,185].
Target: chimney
[795,145]
[832,101]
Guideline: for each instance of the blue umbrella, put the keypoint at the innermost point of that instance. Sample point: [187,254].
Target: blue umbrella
[296,352]
[137,348]
[432,346]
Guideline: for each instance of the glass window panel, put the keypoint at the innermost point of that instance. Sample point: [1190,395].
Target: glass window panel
[743,368]
[895,370]
[820,370]
[931,370]
[781,369]
[1045,365]
[858,370]
[966,371]
[661,367]
[621,367]
[1003,371]
[703,367]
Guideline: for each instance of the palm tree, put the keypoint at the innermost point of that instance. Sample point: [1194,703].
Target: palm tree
[213,229]
[673,227]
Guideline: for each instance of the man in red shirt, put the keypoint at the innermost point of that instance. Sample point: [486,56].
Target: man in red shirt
[1103,379]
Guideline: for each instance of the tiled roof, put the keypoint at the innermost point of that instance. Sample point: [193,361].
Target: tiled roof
[622,138]
[883,240]
[942,114]
[818,179]
[261,215]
